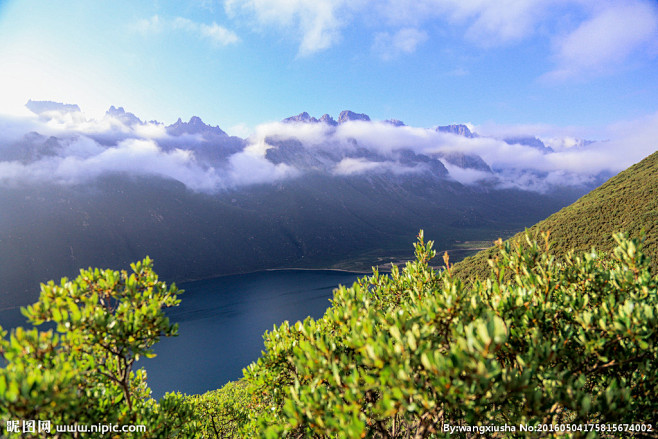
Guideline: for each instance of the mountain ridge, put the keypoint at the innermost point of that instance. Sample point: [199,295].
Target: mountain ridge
[203,203]
[196,125]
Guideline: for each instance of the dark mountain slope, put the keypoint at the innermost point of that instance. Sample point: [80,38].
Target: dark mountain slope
[50,231]
[627,202]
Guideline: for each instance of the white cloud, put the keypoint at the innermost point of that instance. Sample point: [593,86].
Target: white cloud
[540,130]
[605,40]
[351,148]
[84,160]
[630,141]
[404,41]
[359,165]
[588,36]
[150,130]
[466,176]
[515,165]
[351,166]
[216,34]
[624,144]
[150,25]
[251,167]
[486,23]
[316,24]
[311,134]
[500,22]
[57,122]
[563,143]
[240,130]
[82,147]
[386,138]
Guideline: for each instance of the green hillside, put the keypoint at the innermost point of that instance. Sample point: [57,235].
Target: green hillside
[627,203]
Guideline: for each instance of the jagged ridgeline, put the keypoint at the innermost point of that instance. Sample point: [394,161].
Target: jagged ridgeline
[627,202]
[202,203]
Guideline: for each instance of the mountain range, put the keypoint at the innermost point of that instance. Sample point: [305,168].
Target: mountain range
[303,192]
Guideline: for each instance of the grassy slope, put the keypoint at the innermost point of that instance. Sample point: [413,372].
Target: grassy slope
[627,202]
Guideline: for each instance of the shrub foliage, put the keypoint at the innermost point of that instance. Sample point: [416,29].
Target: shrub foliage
[542,340]
[82,370]
[401,355]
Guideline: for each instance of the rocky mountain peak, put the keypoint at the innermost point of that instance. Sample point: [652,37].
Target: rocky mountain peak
[343,117]
[328,120]
[38,107]
[531,141]
[348,115]
[466,161]
[459,129]
[301,117]
[124,116]
[196,121]
[194,126]
[307,118]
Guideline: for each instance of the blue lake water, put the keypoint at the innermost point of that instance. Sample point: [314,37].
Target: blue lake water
[222,321]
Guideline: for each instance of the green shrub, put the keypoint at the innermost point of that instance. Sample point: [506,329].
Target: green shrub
[226,412]
[82,371]
[568,341]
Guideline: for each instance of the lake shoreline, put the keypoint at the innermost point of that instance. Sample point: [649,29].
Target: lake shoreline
[350,266]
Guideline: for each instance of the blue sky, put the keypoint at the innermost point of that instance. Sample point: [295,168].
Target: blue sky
[238,63]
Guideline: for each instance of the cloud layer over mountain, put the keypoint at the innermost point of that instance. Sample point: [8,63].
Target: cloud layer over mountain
[60,145]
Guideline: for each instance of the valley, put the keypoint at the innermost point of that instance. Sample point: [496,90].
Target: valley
[303,193]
